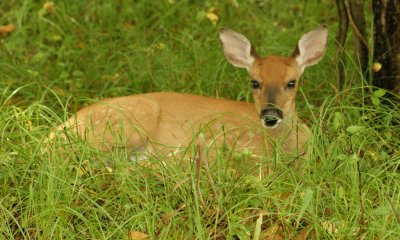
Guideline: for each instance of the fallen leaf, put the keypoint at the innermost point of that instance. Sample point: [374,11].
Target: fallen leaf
[129,25]
[306,234]
[212,16]
[165,218]
[329,227]
[80,45]
[4,30]
[135,235]
[273,233]
[49,7]
[16,101]
[29,125]
[160,45]
[91,191]
[180,184]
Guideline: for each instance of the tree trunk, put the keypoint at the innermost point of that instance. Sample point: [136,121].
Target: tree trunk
[387,44]
[341,40]
[357,20]
[352,12]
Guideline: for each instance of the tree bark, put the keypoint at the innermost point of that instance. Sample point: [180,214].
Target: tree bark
[357,19]
[341,40]
[352,12]
[387,44]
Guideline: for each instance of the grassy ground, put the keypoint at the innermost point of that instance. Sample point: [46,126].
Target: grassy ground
[54,63]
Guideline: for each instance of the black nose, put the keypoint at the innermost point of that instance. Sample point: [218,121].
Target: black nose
[270,116]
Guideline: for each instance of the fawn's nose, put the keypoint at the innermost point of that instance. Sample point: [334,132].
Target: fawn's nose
[271,117]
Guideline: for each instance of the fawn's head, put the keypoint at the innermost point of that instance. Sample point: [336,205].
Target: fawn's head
[274,78]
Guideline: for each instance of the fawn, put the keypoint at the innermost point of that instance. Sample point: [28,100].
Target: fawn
[163,122]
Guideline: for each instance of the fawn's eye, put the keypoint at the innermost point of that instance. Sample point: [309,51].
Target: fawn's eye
[255,84]
[291,84]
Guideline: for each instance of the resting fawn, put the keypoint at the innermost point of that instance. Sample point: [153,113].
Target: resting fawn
[163,123]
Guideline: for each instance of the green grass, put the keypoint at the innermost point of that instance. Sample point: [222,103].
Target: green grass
[55,64]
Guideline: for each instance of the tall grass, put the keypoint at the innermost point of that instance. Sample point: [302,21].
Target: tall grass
[56,63]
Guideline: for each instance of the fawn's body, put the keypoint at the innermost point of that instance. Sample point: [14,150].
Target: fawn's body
[160,126]
[164,122]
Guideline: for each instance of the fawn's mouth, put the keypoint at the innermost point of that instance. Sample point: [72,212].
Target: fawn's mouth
[271,121]
[271,117]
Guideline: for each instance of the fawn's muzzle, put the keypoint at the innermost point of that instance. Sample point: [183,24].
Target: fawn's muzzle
[271,117]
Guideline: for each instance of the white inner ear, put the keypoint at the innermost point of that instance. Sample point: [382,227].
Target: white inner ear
[237,49]
[312,47]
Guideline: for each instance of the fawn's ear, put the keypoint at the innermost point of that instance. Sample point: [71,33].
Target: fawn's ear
[311,47]
[237,49]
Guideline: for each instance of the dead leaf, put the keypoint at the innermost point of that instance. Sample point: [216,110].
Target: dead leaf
[165,218]
[80,45]
[273,233]
[160,46]
[87,189]
[16,101]
[49,7]
[212,17]
[328,212]
[129,25]
[29,125]
[306,234]
[180,184]
[135,235]
[329,227]
[4,30]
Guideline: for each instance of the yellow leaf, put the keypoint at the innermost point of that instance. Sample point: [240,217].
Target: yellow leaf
[329,227]
[29,125]
[49,7]
[135,235]
[212,17]
[160,46]
[6,29]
